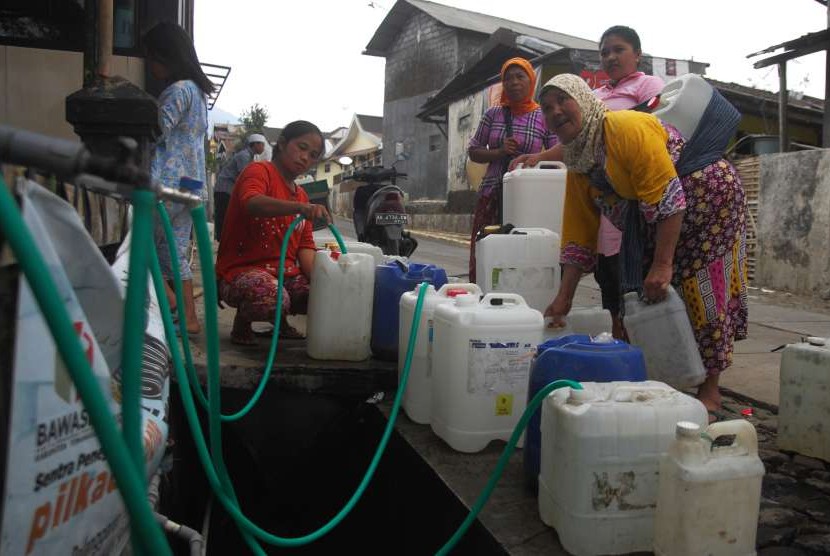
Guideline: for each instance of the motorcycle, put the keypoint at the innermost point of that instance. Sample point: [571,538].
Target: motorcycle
[379,215]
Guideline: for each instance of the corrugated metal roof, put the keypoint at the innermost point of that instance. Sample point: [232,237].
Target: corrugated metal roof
[476,22]
[372,124]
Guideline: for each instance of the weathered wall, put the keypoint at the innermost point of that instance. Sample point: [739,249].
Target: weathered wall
[34,84]
[424,57]
[794,222]
[463,116]
[427,169]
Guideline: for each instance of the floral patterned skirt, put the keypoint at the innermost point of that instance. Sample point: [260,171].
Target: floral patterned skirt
[254,294]
[710,261]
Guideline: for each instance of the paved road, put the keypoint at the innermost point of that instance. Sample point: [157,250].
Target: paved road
[452,258]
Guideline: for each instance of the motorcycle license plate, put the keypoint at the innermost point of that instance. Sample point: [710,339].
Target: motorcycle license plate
[390,218]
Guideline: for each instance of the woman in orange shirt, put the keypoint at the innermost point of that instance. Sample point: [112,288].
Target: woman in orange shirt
[264,202]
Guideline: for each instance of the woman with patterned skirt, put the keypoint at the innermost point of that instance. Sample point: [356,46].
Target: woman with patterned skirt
[687,230]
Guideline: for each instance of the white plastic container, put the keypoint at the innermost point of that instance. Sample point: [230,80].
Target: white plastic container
[535,197]
[592,321]
[340,306]
[358,247]
[683,101]
[664,333]
[709,494]
[804,404]
[481,359]
[525,261]
[417,399]
[601,448]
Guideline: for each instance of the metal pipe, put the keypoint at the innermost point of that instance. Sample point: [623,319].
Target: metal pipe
[783,131]
[193,538]
[105,23]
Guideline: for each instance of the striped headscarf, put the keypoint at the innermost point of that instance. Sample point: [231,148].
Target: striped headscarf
[580,153]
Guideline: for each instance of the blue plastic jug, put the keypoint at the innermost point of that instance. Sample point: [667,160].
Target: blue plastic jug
[392,280]
[575,357]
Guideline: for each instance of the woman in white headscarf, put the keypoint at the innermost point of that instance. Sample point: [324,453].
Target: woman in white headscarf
[686,230]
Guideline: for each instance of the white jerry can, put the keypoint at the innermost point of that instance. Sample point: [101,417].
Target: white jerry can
[417,399]
[524,261]
[601,450]
[710,491]
[340,306]
[804,399]
[664,332]
[481,357]
[535,197]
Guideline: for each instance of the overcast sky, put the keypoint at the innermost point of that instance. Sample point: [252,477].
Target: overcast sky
[301,59]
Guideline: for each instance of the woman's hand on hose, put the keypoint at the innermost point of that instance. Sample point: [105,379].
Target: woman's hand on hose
[529,160]
[558,310]
[656,284]
[314,212]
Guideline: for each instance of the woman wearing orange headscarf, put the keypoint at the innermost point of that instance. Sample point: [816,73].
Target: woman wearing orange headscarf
[513,128]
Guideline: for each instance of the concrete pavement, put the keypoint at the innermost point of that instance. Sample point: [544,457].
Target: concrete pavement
[775,319]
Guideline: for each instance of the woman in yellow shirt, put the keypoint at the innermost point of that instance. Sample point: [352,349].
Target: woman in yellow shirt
[687,230]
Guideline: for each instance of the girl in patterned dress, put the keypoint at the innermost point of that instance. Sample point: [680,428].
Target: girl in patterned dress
[513,128]
[180,151]
[693,226]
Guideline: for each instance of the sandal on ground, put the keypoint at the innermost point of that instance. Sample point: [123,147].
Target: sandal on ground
[288,332]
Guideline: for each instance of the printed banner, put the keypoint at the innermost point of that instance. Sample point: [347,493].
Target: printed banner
[60,496]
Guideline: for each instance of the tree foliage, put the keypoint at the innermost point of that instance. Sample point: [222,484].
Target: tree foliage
[254,119]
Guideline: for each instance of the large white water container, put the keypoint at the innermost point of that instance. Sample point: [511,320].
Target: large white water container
[664,333]
[683,101]
[481,359]
[535,197]
[601,448]
[804,406]
[417,399]
[358,247]
[524,261]
[591,321]
[710,491]
[340,306]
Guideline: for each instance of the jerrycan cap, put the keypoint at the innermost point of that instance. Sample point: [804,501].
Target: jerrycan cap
[578,397]
[335,255]
[466,300]
[455,292]
[687,429]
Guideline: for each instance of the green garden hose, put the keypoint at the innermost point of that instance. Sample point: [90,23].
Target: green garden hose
[505,456]
[128,478]
[135,325]
[191,370]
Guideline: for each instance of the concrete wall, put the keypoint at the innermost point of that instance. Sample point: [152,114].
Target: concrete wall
[794,222]
[34,84]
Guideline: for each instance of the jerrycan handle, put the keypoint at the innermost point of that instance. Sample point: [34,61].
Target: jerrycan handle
[467,287]
[555,164]
[500,298]
[745,436]
[626,393]
[529,231]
